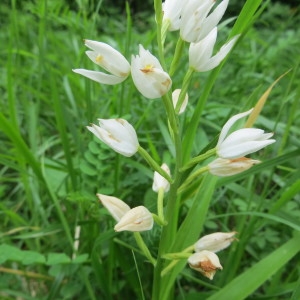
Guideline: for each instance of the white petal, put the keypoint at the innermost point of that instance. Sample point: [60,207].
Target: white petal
[215,242]
[115,206]
[136,219]
[213,19]
[217,58]
[229,124]
[243,149]
[100,76]
[113,61]
[200,53]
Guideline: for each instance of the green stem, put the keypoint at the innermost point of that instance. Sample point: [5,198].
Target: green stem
[177,56]
[153,164]
[158,17]
[185,85]
[160,203]
[191,178]
[140,242]
[198,159]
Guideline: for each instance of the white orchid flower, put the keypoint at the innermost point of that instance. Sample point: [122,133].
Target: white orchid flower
[205,262]
[243,141]
[136,219]
[117,134]
[109,59]
[200,54]
[228,167]
[148,76]
[215,242]
[195,21]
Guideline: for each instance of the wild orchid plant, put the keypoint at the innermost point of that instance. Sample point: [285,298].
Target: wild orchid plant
[197,27]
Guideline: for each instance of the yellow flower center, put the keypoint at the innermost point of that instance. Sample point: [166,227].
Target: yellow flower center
[147,69]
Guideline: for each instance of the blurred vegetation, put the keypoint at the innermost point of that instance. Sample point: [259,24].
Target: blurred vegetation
[51,167]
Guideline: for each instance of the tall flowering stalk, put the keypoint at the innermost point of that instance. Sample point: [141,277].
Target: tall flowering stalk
[196,23]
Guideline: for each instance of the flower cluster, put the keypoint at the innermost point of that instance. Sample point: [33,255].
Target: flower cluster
[205,259]
[199,28]
[196,21]
[146,71]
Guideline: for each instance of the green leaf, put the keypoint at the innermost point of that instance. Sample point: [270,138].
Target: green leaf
[57,258]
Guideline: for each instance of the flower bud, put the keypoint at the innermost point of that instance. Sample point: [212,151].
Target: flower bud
[205,262]
[175,97]
[227,167]
[136,219]
[215,242]
[115,206]
[161,182]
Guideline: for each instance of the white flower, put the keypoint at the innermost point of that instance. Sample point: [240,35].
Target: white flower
[117,134]
[115,206]
[175,97]
[228,167]
[195,24]
[136,219]
[206,262]
[109,59]
[200,54]
[172,13]
[148,75]
[243,141]
[215,242]
[161,182]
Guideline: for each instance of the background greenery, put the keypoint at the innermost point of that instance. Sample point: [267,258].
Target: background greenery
[51,167]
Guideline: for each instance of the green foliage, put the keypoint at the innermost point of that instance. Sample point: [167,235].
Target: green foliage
[51,167]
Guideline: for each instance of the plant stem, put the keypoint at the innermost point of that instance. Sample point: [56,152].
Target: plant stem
[140,242]
[154,164]
[198,159]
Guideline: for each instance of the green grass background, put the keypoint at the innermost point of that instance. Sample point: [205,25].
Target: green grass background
[51,167]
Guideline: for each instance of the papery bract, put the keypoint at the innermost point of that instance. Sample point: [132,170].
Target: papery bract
[115,206]
[200,54]
[159,181]
[243,141]
[109,59]
[117,134]
[136,219]
[215,242]
[205,262]
[228,167]
[148,75]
